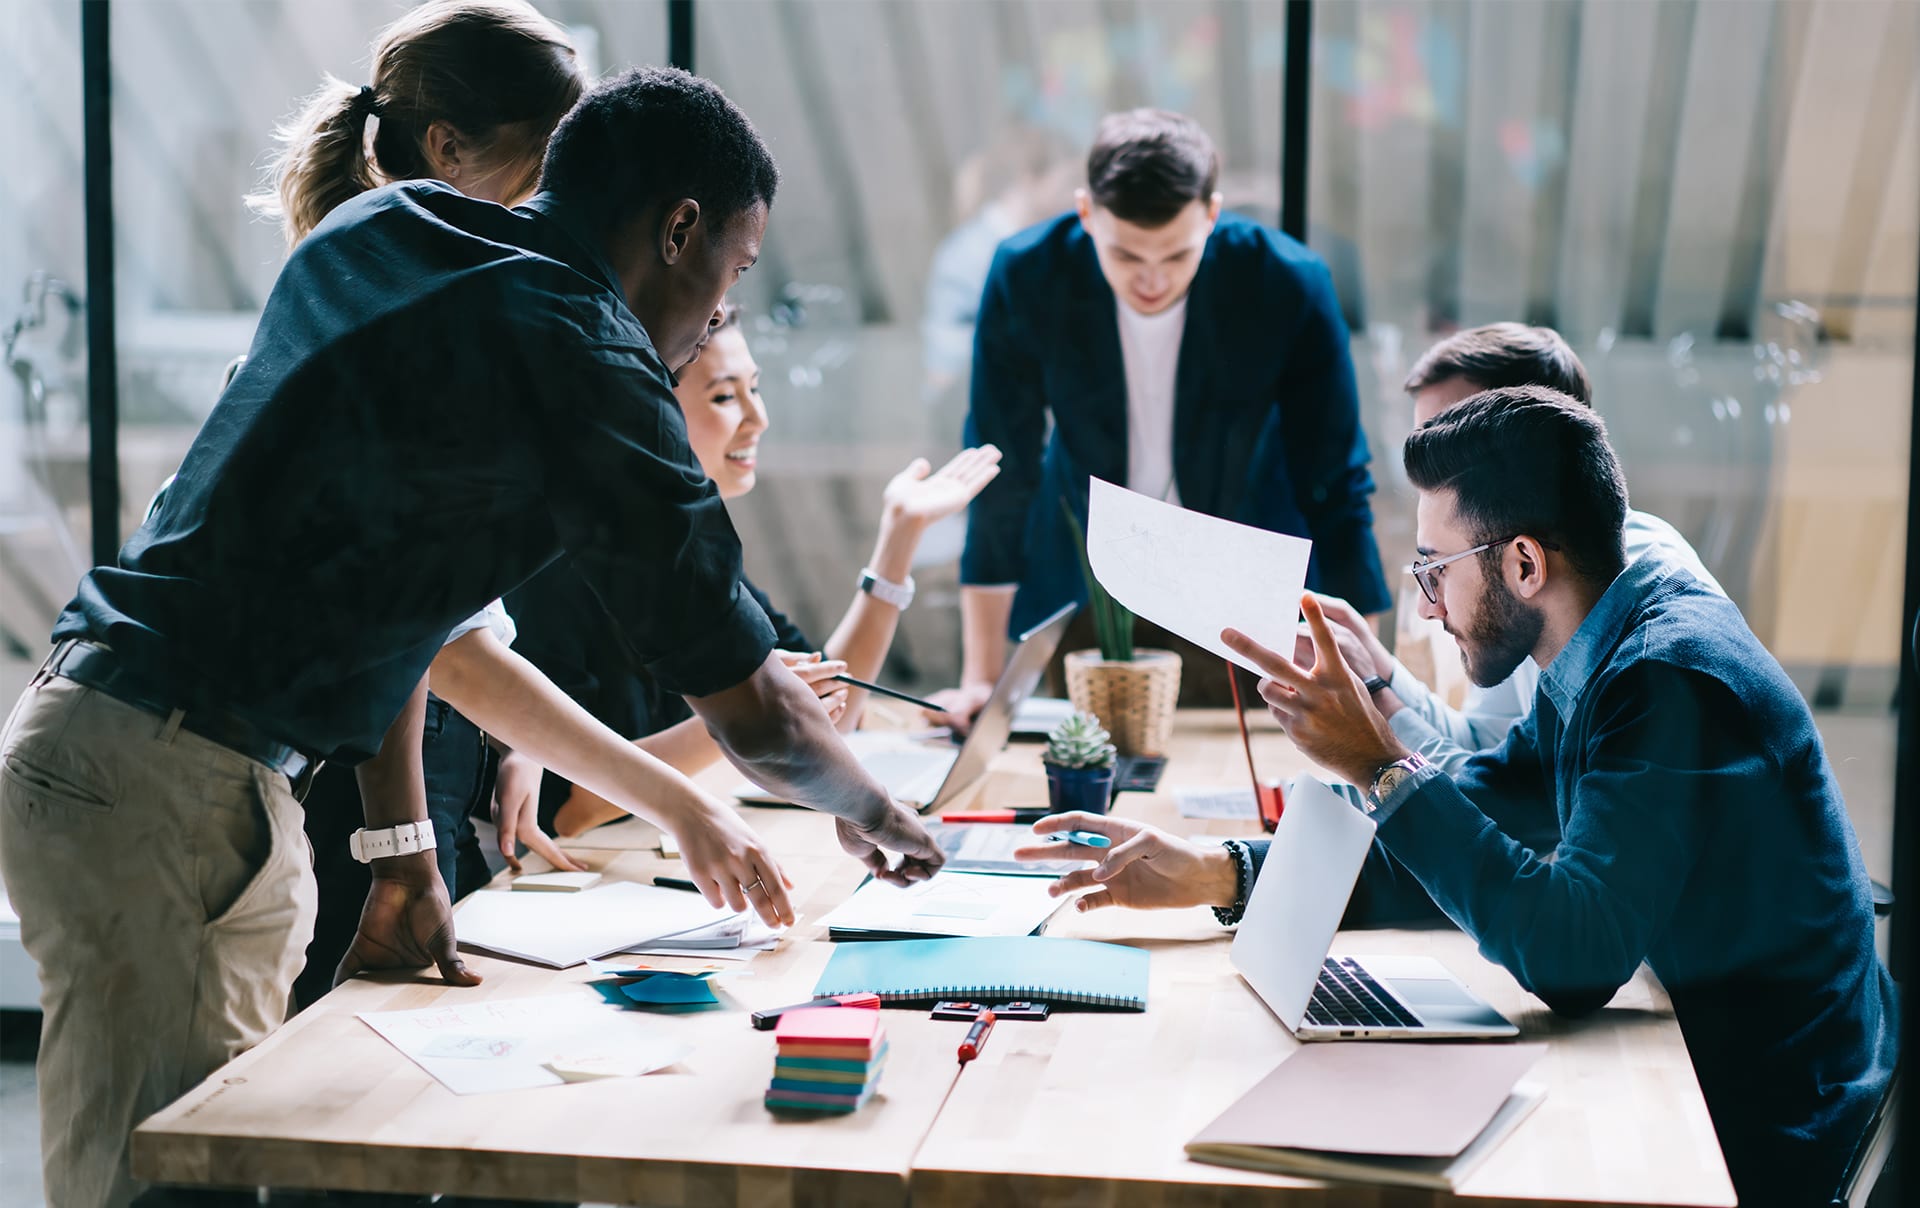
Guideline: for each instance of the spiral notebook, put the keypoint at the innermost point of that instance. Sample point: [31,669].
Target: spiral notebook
[1030,967]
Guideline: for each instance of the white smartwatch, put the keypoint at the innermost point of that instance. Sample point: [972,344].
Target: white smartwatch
[886,590]
[403,840]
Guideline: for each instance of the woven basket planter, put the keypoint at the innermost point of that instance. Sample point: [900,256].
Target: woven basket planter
[1133,700]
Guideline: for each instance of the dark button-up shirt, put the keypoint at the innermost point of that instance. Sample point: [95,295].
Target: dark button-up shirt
[1668,800]
[442,395]
[563,630]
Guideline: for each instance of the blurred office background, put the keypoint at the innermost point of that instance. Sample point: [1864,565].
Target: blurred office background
[1717,201]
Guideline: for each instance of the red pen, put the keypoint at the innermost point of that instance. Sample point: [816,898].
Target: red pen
[976,1037]
[1033,815]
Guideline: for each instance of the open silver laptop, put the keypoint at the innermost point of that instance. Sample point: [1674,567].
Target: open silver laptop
[1309,873]
[929,776]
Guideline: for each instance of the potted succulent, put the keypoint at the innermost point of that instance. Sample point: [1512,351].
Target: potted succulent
[1079,762]
[1134,690]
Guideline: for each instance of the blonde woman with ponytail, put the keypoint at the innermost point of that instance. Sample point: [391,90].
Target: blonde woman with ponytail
[464,91]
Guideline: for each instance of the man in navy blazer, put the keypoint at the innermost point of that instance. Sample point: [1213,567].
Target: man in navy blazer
[1192,355]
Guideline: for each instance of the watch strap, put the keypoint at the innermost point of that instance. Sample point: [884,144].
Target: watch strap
[900,595]
[402,840]
[1375,685]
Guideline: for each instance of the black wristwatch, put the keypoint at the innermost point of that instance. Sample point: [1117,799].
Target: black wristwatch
[1375,685]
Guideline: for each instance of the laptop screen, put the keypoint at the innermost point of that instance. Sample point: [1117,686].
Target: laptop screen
[995,724]
[1312,863]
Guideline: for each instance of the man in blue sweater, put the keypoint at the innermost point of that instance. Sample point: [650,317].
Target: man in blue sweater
[1691,820]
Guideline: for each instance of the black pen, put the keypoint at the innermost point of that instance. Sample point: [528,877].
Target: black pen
[928,705]
[676,883]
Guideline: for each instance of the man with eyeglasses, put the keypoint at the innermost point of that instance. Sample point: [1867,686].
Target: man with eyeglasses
[1666,801]
[1455,369]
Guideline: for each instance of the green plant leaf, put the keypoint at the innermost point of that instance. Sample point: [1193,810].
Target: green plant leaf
[1112,622]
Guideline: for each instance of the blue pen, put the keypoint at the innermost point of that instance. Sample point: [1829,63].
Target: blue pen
[1083,838]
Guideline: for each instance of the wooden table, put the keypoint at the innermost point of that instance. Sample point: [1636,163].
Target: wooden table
[1086,1109]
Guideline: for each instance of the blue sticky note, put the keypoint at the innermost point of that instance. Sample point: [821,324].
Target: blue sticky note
[666,989]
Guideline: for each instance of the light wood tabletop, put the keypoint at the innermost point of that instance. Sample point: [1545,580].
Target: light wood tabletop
[1088,1108]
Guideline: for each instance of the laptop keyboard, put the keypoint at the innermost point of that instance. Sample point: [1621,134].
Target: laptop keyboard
[909,775]
[1346,996]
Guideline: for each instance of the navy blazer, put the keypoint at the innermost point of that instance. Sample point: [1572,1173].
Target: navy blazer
[1266,418]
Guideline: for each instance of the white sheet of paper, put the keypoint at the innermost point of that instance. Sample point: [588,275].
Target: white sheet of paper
[451,1042]
[1196,574]
[1216,803]
[555,882]
[950,904]
[562,929]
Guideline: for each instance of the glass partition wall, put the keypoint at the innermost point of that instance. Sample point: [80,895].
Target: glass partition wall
[1715,200]
[1718,204]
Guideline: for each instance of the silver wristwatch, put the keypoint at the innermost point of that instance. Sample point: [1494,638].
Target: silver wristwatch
[403,840]
[886,590]
[1389,778]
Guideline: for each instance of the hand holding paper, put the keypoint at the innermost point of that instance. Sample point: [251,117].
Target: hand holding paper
[1196,574]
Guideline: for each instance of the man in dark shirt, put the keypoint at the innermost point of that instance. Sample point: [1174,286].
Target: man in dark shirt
[1666,801]
[443,396]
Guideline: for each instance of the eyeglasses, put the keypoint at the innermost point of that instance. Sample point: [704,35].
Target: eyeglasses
[1427,574]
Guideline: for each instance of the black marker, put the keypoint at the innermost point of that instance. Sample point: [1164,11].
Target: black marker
[896,694]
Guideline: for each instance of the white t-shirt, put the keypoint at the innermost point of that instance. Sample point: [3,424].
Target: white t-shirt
[1150,352]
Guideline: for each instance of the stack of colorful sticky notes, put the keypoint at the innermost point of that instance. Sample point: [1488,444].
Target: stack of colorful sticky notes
[655,989]
[829,1059]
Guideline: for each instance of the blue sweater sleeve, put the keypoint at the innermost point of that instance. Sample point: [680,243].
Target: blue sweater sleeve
[1007,407]
[1574,922]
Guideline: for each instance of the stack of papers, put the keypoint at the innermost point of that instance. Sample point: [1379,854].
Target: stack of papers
[946,904]
[989,847]
[739,937]
[829,1059]
[563,929]
[514,1043]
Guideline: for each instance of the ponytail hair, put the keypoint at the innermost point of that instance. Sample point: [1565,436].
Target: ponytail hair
[478,65]
[322,160]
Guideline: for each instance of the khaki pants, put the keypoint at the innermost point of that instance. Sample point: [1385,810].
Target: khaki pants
[166,893]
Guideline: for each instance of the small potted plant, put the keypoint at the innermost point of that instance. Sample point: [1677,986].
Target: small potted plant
[1133,690]
[1079,762]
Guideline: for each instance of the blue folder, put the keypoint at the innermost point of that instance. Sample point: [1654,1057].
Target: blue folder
[1035,967]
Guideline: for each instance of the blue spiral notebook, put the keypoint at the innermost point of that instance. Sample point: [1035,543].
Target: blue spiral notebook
[1024,966]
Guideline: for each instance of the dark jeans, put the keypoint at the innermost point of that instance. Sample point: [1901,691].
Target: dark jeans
[459,767]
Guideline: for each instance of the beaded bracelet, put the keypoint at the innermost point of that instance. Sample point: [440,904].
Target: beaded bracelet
[1242,882]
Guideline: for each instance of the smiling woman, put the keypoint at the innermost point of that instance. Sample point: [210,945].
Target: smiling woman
[562,628]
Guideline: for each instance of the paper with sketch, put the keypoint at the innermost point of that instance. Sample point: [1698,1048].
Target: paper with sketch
[562,929]
[509,1043]
[947,904]
[1196,574]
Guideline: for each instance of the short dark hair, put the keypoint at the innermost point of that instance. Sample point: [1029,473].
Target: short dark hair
[1504,354]
[1147,165]
[653,135]
[1528,460]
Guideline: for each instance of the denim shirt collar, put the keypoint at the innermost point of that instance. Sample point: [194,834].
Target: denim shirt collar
[588,256]
[1587,651]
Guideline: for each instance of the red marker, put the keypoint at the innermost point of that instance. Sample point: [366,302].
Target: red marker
[1033,815]
[976,1037]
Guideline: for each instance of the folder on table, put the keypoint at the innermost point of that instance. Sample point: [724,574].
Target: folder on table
[1411,1115]
[946,904]
[998,967]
